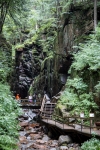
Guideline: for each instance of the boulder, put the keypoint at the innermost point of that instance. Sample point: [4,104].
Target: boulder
[46,138]
[22,139]
[40,141]
[23,124]
[64,139]
[41,147]
[29,145]
[63,148]
[53,149]
[35,136]
[30,132]
[33,125]
[54,143]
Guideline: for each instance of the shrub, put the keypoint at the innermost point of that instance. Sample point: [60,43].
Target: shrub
[9,111]
[92,144]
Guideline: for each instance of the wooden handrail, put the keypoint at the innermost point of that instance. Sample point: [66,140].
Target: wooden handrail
[65,121]
[54,117]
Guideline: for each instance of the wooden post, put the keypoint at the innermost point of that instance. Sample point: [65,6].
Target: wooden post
[43,102]
[63,123]
[90,125]
[55,121]
[82,117]
[68,120]
[91,115]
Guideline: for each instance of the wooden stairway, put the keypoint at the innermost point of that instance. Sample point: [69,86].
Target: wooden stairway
[48,110]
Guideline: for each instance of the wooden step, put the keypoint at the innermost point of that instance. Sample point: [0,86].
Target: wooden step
[48,110]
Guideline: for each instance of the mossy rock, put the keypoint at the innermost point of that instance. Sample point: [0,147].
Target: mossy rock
[60,109]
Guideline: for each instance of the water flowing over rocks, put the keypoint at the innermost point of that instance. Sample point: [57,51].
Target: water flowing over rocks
[32,136]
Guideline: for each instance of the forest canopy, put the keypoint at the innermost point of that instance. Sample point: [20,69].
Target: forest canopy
[10,7]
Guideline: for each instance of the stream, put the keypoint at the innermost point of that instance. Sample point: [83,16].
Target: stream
[34,136]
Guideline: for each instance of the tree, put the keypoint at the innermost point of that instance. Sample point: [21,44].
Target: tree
[10,7]
[95,14]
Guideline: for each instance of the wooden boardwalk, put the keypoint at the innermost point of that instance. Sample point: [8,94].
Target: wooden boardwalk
[49,117]
[47,112]
[24,103]
[69,128]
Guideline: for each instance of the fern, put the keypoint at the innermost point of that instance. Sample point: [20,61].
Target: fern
[84,84]
[92,144]
[9,111]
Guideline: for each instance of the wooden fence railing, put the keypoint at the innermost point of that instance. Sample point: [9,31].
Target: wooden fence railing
[66,121]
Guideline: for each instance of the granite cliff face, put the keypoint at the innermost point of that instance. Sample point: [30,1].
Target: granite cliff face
[76,25]
[35,68]
[27,68]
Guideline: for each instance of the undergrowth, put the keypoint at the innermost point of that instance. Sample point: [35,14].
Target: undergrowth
[83,86]
[92,144]
[9,111]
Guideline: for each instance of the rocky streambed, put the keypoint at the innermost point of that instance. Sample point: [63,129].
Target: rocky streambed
[32,136]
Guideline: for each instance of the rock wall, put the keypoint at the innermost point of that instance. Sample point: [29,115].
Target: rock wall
[75,24]
[26,69]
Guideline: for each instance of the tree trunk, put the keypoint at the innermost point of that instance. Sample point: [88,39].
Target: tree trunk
[1,26]
[3,12]
[95,14]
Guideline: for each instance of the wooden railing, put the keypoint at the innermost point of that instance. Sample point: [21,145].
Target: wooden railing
[26,101]
[65,121]
[47,110]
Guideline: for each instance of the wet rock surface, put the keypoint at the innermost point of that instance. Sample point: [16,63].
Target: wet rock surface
[27,67]
[32,136]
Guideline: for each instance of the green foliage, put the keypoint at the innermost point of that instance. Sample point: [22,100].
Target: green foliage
[92,144]
[5,65]
[30,91]
[49,57]
[86,56]
[76,98]
[77,84]
[48,40]
[84,83]
[97,87]
[9,111]
[11,7]
[65,6]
